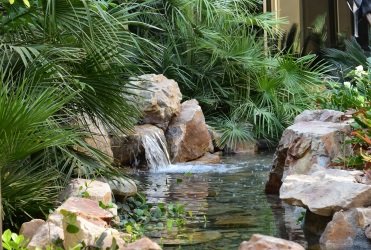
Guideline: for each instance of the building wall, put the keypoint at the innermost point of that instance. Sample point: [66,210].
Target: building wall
[305,12]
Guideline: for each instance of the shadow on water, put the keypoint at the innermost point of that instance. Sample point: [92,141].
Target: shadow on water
[228,199]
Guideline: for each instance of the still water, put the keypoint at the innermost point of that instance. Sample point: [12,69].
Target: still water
[228,199]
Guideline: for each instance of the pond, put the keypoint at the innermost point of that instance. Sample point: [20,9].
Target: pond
[228,199]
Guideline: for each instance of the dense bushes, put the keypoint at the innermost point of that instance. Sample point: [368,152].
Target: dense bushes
[216,51]
[62,60]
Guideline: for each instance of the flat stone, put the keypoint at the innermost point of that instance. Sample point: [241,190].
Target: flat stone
[193,238]
[264,242]
[346,230]
[91,189]
[322,115]
[86,208]
[28,229]
[326,192]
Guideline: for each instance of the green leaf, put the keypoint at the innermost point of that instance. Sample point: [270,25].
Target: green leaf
[72,229]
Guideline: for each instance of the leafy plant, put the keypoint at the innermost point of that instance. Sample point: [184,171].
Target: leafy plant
[12,241]
[139,217]
[216,52]
[61,62]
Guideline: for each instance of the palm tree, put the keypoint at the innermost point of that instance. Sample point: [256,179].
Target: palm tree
[215,50]
[62,60]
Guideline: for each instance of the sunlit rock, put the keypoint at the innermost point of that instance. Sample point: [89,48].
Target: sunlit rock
[264,242]
[347,230]
[187,135]
[306,143]
[159,98]
[86,208]
[326,192]
[91,189]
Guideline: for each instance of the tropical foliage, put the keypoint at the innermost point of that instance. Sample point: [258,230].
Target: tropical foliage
[215,50]
[64,63]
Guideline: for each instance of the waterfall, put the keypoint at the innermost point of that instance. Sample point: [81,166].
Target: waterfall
[155,149]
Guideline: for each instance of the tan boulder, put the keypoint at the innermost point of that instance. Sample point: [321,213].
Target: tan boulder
[145,147]
[326,192]
[90,189]
[143,244]
[263,242]
[346,230]
[207,159]
[187,135]
[306,143]
[28,229]
[159,98]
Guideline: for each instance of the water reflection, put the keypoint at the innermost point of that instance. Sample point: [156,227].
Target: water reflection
[231,198]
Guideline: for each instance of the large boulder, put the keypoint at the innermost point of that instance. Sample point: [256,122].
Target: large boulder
[264,242]
[94,190]
[306,143]
[187,135]
[346,230]
[146,146]
[326,192]
[159,98]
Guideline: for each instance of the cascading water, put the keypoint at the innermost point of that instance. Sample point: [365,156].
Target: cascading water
[155,148]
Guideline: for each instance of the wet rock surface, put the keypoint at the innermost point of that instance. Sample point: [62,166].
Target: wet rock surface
[130,150]
[95,190]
